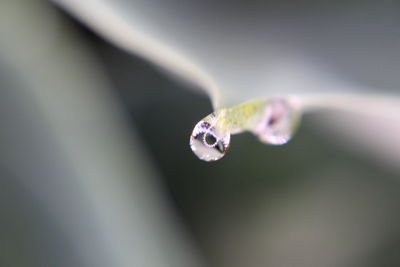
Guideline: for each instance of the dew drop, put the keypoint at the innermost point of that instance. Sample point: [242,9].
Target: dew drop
[278,122]
[208,143]
[273,121]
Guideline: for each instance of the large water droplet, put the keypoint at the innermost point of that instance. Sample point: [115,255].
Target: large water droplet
[207,142]
[278,122]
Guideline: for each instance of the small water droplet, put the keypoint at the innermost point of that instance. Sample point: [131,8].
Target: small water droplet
[277,123]
[208,143]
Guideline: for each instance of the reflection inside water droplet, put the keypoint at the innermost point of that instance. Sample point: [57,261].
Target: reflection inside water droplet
[272,120]
[278,122]
[208,143]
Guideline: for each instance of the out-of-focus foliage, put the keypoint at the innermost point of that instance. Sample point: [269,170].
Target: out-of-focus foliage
[255,48]
[82,191]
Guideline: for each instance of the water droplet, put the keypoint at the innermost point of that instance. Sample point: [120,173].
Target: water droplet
[278,122]
[207,142]
[272,120]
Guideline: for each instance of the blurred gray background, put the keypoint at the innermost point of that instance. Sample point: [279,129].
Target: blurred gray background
[106,177]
